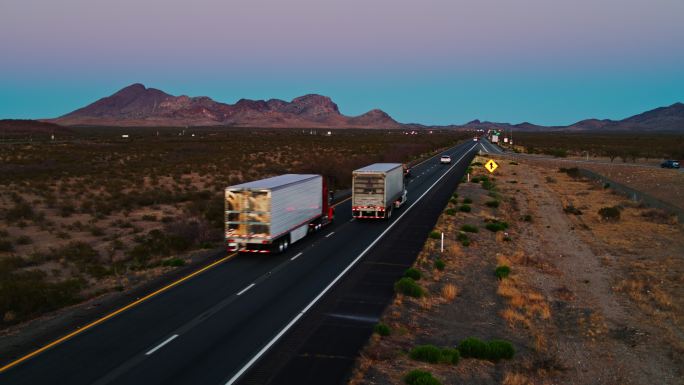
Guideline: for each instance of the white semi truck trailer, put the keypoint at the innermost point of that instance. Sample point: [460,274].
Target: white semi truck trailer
[269,215]
[377,190]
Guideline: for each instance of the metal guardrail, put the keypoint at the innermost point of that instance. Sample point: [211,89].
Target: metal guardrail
[632,194]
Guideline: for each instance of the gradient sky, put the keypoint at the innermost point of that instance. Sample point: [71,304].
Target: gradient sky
[430,61]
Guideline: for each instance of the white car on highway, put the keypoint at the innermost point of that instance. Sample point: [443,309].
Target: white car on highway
[445,159]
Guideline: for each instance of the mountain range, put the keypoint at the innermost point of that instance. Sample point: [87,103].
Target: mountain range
[137,105]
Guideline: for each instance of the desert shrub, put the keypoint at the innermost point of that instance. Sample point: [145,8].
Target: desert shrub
[550,179]
[450,211]
[413,273]
[96,231]
[492,203]
[493,350]
[439,264]
[27,294]
[173,262]
[472,347]
[513,163]
[149,218]
[467,201]
[463,238]
[659,216]
[570,209]
[469,228]
[435,235]
[24,240]
[496,226]
[6,245]
[66,210]
[572,171]
[609,213]
[527,218]
[381,329]
[453,201]
[21,210]
[488,185]
[408,286]
[420,377]
[475,179]
[454,195]
[500,349]
[502,271]
[426,353]
[464,208]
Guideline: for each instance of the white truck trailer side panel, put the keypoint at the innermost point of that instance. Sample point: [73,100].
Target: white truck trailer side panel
[267,208]
[294,204]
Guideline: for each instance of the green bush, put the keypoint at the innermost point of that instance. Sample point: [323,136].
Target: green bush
[488,185]
[464,208]
[439,264]
[502,271]
[173,262]
[463,238]
[454,195]
[467,201]
[381,329]
[469,228]
[435,235]
[408,286]
[450,211]
[426,353]
[420,377]
[492,203]
[610,213]
[413,273]
[496,226]
[453,201]
[493,350]
[475,179]
[572,171]
[500,349]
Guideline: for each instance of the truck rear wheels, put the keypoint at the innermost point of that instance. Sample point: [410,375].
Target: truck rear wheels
[282,244]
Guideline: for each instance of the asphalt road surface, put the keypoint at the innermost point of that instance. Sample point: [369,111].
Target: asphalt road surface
[214,327]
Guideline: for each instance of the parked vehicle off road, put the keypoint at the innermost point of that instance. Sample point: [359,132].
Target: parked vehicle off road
[670,164]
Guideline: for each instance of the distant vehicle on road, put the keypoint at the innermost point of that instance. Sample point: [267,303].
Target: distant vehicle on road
[269,215]
[445,159]
[377,190]
[475,139]
[670,164]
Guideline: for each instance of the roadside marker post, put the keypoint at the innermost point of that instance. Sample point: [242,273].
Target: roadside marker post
[468,177]
[441,245]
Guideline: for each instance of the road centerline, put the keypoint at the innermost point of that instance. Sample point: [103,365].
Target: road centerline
[241,292]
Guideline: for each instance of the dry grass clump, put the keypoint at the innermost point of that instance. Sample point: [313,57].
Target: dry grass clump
[449,292]
[516,379]
[525,305]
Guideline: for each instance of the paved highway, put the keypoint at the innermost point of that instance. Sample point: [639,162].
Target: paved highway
[213,327]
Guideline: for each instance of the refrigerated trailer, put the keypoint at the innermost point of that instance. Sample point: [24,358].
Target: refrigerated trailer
[377,190]
[269,215]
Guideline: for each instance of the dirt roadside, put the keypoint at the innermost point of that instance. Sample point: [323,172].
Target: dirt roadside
[590,299]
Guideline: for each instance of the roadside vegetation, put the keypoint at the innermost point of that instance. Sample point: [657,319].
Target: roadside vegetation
[94,213]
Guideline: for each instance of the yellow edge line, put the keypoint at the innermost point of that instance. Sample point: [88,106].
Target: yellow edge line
[118,311]
[114,313]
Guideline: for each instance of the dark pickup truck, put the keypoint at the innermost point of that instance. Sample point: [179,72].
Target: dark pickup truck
[670,164]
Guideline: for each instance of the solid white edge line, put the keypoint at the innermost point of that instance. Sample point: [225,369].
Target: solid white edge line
[322,293]
[173,337]
[296,256]
[329,234]
[245,289]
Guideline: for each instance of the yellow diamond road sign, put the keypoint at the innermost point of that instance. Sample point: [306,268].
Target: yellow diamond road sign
[491,165]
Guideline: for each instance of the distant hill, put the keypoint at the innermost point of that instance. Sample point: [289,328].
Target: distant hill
[137,105]
[660,119]
[28,127]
